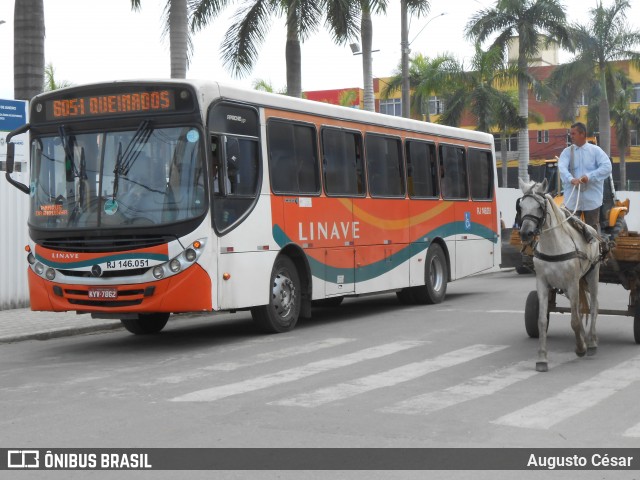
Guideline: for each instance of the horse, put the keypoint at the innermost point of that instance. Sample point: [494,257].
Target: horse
[564,261]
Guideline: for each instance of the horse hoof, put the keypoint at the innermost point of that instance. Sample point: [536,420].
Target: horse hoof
[580,353]
[591,351]
[542,367]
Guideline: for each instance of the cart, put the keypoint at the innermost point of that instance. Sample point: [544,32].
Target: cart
[622,267]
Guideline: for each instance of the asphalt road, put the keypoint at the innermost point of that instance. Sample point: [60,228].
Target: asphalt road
[371,373]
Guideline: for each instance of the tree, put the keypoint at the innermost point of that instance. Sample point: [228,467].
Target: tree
[477,91]
[263,85]
[28,48]
[427,77]
[534,22]
[251,25]
[606,39]
[341,16]
[50,81]
[176,21]
[407,8]
[624,120]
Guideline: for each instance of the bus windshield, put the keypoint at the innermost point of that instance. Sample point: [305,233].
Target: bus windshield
[107,179]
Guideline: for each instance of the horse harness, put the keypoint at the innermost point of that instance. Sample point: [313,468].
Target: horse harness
[540,221]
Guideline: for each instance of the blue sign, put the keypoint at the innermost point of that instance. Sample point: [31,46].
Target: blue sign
[467,220]
[13,114]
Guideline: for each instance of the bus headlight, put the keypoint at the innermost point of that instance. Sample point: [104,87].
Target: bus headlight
[51,274]
[158,272]
[31,259]
[190,254]
[39,268]
[174,265]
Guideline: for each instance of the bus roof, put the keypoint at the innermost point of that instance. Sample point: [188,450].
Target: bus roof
[215,89]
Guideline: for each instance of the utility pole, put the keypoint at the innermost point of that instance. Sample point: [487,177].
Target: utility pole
[404,46]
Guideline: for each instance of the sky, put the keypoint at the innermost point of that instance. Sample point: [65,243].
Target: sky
[96,40]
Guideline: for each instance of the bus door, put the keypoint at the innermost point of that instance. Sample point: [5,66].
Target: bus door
[344,181]
[382,218]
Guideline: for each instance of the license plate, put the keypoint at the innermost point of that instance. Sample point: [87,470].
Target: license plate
[103,293]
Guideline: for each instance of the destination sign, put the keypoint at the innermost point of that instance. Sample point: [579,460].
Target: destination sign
[153,101]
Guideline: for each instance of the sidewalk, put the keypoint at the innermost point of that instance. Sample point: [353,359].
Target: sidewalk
[22,324]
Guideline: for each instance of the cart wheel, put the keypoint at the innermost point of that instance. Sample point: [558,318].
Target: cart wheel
[531,312]
[636,328]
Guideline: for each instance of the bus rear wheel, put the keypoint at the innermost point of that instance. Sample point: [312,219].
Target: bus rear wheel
[146,324]
[282,312]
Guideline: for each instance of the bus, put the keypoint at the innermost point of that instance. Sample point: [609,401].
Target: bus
[151,198]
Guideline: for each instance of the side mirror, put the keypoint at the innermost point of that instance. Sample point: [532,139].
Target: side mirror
[10,160]
[11,152]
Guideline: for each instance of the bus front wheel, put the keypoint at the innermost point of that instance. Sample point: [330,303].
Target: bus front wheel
[282,312]
[146,324]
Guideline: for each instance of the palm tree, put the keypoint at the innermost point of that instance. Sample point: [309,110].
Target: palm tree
[606,39]
[407,8]
[50,81]
[28,48]
[427,77]
[176,21]
[251,25]
[477,91]
[263,85]
[624,120]
[532,21]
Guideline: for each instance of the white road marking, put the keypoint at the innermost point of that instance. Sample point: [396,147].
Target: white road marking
[475,388]
[389,378]
[296,373]
[278,354]
[576,399]
[633,431]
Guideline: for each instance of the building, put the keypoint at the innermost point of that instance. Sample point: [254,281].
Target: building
[546,139]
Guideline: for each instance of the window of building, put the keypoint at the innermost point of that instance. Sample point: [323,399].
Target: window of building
[512,142]
[392,106]
[422,170]
[436,105]
[635,94]
[385,171]
[293,158]
[633,139]
[453,172]
[583,99]
[543,136]
[480,174]
[342,162]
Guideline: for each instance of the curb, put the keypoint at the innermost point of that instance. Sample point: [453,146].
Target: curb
[61,332]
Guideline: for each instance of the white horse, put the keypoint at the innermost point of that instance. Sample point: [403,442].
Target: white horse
[563,260]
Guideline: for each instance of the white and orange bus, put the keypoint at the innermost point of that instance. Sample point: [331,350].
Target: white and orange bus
[157,197]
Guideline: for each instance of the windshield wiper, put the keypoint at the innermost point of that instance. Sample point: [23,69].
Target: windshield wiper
[126,159]
[69,164]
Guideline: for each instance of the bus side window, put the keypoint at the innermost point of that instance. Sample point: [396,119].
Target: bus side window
[453,172]
[422,169]
[342,162]
[481,174]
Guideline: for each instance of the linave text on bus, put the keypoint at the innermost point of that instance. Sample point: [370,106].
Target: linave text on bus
[160,100]
[328,230]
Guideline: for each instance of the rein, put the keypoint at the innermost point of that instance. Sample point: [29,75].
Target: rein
[541,221]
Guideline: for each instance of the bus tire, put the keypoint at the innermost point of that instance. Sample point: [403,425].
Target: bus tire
[146,324]
[285,297]
[435,278]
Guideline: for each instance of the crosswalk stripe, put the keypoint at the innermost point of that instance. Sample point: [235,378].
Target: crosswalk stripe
[389,378]
[575,399]
[278,354]
[477,387]
[633,431]
[296,373]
